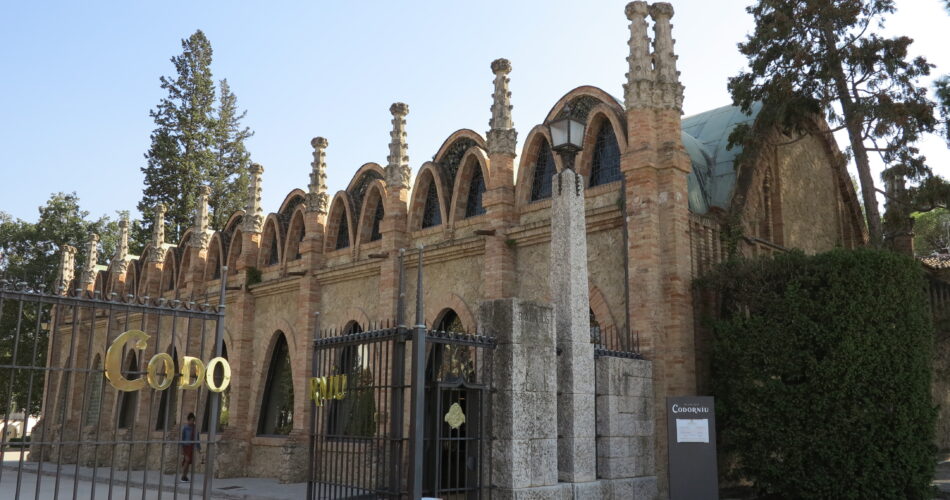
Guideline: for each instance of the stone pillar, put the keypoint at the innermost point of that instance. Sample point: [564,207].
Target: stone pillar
[200,240]
[499,199]
[625,440]
[394,226]
[67,269]
[524,408]
[120,264]
[156,257]
[87,280]
[253,222]
[576,441]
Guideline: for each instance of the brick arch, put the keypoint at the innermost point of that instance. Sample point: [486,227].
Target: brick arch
[363,170]
[598,304]
[296,232]
[265,362]
[295,196]
[352,314]
[339,208]
[459,134]
[597,117]
[131,280]
[375,194]
[455,303]
[473,158]
[529,159]
[585,90]
[271,234]
[234,250]
[169,272]
[215,257]
[417,197]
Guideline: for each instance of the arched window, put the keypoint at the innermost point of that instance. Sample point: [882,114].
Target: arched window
[473,205]
[377,218]
[95,393]
[605,166]
[296,238]
[354,415]
[343,234]
[273,258]
[431,215]
[168,403]
[128,400]
[224,415]
[277,409]
[543,173]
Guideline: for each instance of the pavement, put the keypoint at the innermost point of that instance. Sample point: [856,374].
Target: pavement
[89,484]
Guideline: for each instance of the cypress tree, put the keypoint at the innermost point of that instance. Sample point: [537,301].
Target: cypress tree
[228,176]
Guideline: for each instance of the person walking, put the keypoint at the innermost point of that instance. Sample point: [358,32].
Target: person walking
[189,442]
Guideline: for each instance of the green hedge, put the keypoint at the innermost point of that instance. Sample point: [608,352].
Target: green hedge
[822,370]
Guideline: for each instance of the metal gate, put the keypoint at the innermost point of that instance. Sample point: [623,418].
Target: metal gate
[97,392]
[400,412]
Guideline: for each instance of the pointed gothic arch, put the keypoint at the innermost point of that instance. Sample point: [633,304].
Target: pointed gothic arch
[215,258]
[295,235]
[276,416]
[427,208]
[372,212]
[128,401]
[339,234]
[471,183]
[270,243]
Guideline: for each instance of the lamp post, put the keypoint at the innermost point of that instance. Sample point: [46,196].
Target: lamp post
[567,137]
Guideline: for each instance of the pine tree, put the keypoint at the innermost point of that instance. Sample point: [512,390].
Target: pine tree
[228,176]
[181,153]
[823,57]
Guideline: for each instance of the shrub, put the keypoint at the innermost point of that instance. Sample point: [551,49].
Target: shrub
[822,370]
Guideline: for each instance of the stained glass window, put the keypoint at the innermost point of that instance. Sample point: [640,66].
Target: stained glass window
[476,189]
[377,218]
[277,411]
[543,174]
[431,215]
[343,235]
[605,167]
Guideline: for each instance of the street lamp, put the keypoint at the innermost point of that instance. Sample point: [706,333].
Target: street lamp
[567,137]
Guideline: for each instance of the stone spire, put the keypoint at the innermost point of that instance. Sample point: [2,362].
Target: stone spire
[502,136]
[253,213]
[397,170]
[667,78]
[203,232]
[67,269]
[92,256]
[638,91]
[119,264]
[317,199]
[158,234]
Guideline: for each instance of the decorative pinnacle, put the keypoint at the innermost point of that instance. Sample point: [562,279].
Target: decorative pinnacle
[203,232]
[122,249]
[158,234]
[502,137]
[317,199]
[67,268]
[638,89]
[92,257]
[253,213]
[397,169]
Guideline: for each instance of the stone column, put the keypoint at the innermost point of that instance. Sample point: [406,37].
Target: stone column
[120,264]
[499,198]
[87,280]
[67,269]
[569,291]
[200,240]
[155,260]
[524,407]
[394,226]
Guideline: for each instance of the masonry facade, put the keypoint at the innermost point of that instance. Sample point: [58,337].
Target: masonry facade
[662,201]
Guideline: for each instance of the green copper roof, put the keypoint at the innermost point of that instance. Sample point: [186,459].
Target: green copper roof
[705,137]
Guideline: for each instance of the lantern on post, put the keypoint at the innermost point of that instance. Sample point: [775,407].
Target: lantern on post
[567,137]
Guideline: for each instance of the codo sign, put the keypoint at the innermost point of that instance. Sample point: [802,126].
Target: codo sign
[137,339]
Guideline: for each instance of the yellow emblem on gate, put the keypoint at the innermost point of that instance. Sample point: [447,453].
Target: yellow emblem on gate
[326,388]
[455,418]
[191,366]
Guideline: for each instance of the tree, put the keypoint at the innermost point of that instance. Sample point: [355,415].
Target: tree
[932,232]
[193,144]
[811,58]
[29,254]
[228,176]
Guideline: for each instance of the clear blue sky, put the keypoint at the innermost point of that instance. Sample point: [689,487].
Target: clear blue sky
[79,78]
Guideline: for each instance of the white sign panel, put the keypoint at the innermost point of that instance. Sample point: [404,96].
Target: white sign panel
[692,430]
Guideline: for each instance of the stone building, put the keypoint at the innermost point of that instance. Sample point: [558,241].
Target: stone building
[663,199]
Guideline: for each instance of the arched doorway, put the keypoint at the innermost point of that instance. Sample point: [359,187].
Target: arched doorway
[453,414]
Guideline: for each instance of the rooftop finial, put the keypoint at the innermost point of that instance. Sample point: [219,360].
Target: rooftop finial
[667,78]
[253,213]
[158,234]
[203,231]
[638,91]
[119,264]
[67,269]
[397,170]
[317,199]
[92,258]
[502,137]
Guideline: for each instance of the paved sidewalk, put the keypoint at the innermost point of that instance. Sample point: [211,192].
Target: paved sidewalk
[156,485]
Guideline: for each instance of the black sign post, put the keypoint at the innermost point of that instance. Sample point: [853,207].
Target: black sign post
[691,434]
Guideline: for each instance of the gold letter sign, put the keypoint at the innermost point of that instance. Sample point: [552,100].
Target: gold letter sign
[190,366]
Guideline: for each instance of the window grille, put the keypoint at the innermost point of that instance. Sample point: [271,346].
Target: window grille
[474,206]
[431,215]
[343,235]
[543,174]
[377,219]
[605,167]
[277,411]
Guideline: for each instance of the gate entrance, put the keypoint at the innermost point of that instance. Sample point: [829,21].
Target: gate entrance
[400,412]
[97,390]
